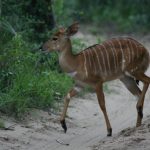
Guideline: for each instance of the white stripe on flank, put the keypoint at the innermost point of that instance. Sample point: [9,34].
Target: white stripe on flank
[93,61]
[113,55]
[132,52]
[137,55]
[99,64]
[107,59]
[123,58]
[89,57]
[107,55]
[103,61]
[86,73]
[129,54]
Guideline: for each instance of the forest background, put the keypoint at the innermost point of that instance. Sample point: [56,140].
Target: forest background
[30,79]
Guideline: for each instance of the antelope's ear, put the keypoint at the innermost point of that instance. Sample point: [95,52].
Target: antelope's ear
[61,30]
[73,29]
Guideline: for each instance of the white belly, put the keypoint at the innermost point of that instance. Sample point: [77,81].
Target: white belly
[72,74]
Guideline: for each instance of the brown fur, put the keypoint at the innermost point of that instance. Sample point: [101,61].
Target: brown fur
[118,58]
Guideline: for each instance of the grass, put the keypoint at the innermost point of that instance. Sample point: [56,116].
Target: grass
[27,82]
[2,124]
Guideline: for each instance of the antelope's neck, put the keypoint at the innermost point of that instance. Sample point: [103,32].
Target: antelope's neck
[67,60]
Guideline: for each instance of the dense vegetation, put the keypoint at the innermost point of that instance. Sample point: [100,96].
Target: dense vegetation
[29,79]
[122,15]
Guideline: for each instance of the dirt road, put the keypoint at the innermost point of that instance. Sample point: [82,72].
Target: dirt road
[86,125]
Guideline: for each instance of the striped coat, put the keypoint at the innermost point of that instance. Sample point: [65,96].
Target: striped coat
[118,58]
[115,57]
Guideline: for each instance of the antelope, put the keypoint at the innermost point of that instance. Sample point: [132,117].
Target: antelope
[120,58]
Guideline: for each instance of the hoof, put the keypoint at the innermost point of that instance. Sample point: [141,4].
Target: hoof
[138,124]
[63,124]
[109,132]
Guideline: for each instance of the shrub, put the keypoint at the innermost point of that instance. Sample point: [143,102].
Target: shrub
[26,82]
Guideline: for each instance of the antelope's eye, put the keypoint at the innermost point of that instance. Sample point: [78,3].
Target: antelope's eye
[55,38]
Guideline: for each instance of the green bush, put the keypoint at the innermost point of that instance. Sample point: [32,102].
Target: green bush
[124,15]
[2,124]
[26,82]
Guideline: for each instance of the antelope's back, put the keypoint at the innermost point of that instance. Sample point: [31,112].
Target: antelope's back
[116,56]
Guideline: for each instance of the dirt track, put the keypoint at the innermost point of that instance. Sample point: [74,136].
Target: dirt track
[86,123]
[86,126]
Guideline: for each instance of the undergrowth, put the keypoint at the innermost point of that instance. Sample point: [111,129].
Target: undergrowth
[29,79]
[2,124]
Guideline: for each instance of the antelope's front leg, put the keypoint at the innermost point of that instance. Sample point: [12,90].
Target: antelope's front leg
[101,100]
[67,98]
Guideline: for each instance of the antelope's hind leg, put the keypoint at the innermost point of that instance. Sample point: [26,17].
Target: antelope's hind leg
[134,89]
[131,85]
[146,81]
[67,98]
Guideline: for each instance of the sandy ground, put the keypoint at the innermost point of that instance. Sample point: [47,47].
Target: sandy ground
[128,139]
[86,125]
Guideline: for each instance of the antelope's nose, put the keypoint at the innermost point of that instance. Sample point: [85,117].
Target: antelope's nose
[43,48]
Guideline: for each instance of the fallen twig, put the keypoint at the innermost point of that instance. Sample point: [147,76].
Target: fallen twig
[9,127]
[61,142]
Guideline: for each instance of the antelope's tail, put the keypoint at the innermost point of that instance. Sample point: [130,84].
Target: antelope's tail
[137,82]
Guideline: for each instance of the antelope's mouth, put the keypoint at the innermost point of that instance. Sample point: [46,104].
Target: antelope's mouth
[44,50]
